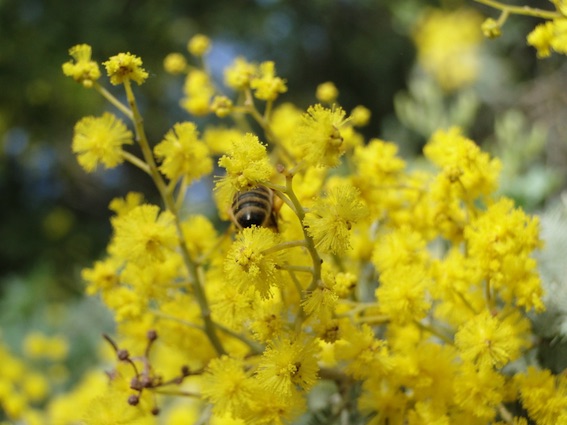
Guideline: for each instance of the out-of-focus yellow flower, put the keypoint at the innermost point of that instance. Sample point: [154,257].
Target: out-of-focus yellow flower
[199,91]
[83,70]
[448,46]
[267,86]
[360,116]
[239,74]
[175,63]
[327,92]
[551,35]
[199,45]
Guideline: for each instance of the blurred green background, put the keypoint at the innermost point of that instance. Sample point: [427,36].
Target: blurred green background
[54,219]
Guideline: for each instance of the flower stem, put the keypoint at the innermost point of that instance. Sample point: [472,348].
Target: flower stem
[283,245]
[521,10]
[134,160]
[110,97]
[169,202]
[309,243]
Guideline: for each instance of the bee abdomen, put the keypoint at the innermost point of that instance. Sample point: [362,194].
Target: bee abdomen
[253,207]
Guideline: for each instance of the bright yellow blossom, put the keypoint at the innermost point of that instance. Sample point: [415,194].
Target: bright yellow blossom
[227,385]
[330,219]
[365,355]
[125,66]
[239,74]
[501,241]
[198,90]
[488,341]
[288,363]
[319,136]
[468,172]
[360,116]
[100,140]
[144,235]
[543,395]
[122,206]
[320,303]
[327,92]
[478,391]
[183,154]
[222,106]
[175,63]
[200,235]
[427,413]
[267,86]
[246,264]
[199,45]
[83,70]
[403,247]
[220,139]
[247,166]
[448,46]
[402,293]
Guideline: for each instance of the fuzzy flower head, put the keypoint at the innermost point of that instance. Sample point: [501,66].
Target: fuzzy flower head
[403,294]
[125,67]
[175,63]
[501,241]
[288,363]
[327,92]
[467,171]
[478,391]
[226,385]
[99,140]
[360,116]
[248,264]
[366,355]
[144,236]
[83,70]
[183,154]
[199,91]
[488,341]
[551,35]
[247,166]
[330,219]
[319,137]
[267,86]
[238,75]
[543,395]
[199,45]
[448,46]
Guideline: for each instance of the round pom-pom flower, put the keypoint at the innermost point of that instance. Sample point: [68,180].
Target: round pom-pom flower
[319,136]
[329,221]
[125,66]
[83,70]
[99,140]
[247,262]
[183,154]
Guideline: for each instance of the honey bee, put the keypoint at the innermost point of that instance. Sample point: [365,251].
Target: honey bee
[254,207]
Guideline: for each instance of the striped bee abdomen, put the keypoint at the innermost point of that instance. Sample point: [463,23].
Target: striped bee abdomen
[253,207]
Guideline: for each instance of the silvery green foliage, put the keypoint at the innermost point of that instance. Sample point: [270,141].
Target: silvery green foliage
[551,326]
[426,108]
[553,269]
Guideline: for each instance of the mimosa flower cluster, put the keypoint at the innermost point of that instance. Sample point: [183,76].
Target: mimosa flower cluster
[547,37]
[397,295]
